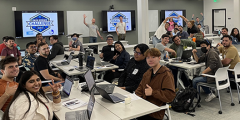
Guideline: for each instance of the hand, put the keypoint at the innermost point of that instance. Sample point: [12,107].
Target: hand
[194,51]
[148,90]
[55,86]
[219,44]
[178,16]
[201,14]
[192,15]
[115,57]
[44,40]
[124,88]
[10,90]
[113,70]
[101,55]
[173,53]
[70,48]
[70,43]
[101,38]
[84,16]
[19,62]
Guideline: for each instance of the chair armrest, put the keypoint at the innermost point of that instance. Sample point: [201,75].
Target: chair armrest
[207,75]
[231,70]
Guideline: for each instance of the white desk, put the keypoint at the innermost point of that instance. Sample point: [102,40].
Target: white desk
[210,35]
[99,112]
[68,53]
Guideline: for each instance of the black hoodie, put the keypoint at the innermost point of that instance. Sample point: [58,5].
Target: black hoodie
[57,49]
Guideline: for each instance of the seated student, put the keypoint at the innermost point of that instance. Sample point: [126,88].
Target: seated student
[120,59]
[57,47]
[29,59]
[229,53]
[11,50]
[30,102]
[235,36]
[175,31]
[76,45]
[3,45]
[136,67]
[212,63]
[182,34]
[41,65]
[162,47]
[39,39]
[108,51]
[157,85]
[200,27]
[8,87]
[175,26]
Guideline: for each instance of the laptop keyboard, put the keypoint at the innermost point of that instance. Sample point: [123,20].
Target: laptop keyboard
[82,115]
[115,98]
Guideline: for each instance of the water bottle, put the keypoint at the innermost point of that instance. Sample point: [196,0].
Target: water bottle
[219,33]
[80,59]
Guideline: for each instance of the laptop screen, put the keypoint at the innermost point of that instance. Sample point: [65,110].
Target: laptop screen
[89,79]
[69,58]
[90,62]
[67,85]
[90,105]
[50,47]
[22,53]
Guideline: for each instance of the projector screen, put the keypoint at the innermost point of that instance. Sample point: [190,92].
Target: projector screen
[113,19]
[45,23]
[175,13]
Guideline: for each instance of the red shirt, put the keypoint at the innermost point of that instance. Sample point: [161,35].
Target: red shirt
[3,46]
[14,52]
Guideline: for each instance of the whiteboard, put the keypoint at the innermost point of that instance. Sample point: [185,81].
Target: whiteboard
[75,22]
[153,20]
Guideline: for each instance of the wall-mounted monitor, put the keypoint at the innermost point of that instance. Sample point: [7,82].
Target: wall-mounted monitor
[29,23]
[111,18]
[168,13]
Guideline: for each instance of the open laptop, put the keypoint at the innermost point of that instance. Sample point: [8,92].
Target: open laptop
[186,55]
[89,65]
[82,114]
[115,97]
[66,89]
[65,62]
[99,62]
[91,83]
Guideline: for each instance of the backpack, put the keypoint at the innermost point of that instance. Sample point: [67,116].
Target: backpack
[184,100]
[199,36]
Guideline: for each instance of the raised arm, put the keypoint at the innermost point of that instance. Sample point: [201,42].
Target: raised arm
[84,17]
[185,19]
[202,17]
[169,18]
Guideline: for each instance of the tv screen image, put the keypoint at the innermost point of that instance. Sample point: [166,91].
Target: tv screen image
[175,13]
[45,23]
[113,19]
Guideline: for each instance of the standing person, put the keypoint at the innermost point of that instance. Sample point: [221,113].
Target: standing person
[157,85]
[108,50]
[57,47]
[162,29]
[75,44]
[199,21]
[121,29]
[192,28]
[11,50]
[9,68]
[162,47]
[235,36]
[171,26]
[30,101]
[29,59]
[4,44]
[93,30]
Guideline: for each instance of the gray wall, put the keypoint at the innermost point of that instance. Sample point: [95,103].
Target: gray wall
[7,15]
[191,6]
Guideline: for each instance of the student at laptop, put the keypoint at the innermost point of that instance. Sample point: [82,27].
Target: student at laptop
[75,44]
[11,50]
[30,102]
[162,47]
[157,85]
[41,65]
[4,44]
[212,63]
[108,51]
[29,59]
[136,67]
[120,59]
[57,47]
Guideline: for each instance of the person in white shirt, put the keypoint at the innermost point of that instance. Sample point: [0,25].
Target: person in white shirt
[121,29]
[162,29]
[30,102]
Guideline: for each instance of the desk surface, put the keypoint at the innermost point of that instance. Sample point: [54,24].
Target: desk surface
[184,65]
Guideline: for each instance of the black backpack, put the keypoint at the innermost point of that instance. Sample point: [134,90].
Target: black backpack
[184,100]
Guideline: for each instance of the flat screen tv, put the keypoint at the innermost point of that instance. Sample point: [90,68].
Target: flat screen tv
[168,13]
[29,23]
[111,18]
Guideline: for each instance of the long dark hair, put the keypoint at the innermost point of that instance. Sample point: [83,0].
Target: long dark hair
[237,36]
[21,89]
[115,51]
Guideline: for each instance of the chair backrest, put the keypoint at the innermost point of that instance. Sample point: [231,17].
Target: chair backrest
[222,76]
[237,72]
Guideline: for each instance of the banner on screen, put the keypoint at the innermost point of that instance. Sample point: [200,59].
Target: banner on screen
[113,19]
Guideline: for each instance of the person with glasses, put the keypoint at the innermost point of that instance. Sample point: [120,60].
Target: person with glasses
[136,67]
[29,59]
[41,65]
[57,47]
[108,50]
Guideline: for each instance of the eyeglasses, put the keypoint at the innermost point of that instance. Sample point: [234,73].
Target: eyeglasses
[109,39]
[138,53]
[33,47]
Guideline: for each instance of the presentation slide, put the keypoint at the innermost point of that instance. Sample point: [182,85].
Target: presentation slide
[175,13]
[45,23]
[113,19]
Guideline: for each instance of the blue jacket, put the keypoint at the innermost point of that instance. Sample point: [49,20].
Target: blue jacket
[235,40]
[121,60]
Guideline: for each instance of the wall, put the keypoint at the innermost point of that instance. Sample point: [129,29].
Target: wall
[7,15]
[191,6]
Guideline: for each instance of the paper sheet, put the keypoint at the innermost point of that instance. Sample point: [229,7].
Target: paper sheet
[74,103]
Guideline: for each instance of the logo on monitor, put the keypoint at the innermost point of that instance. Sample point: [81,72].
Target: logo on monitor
[115,19]
[40,23]
[175,19]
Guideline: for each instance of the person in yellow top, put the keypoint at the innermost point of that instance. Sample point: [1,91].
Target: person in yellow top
[229,53]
